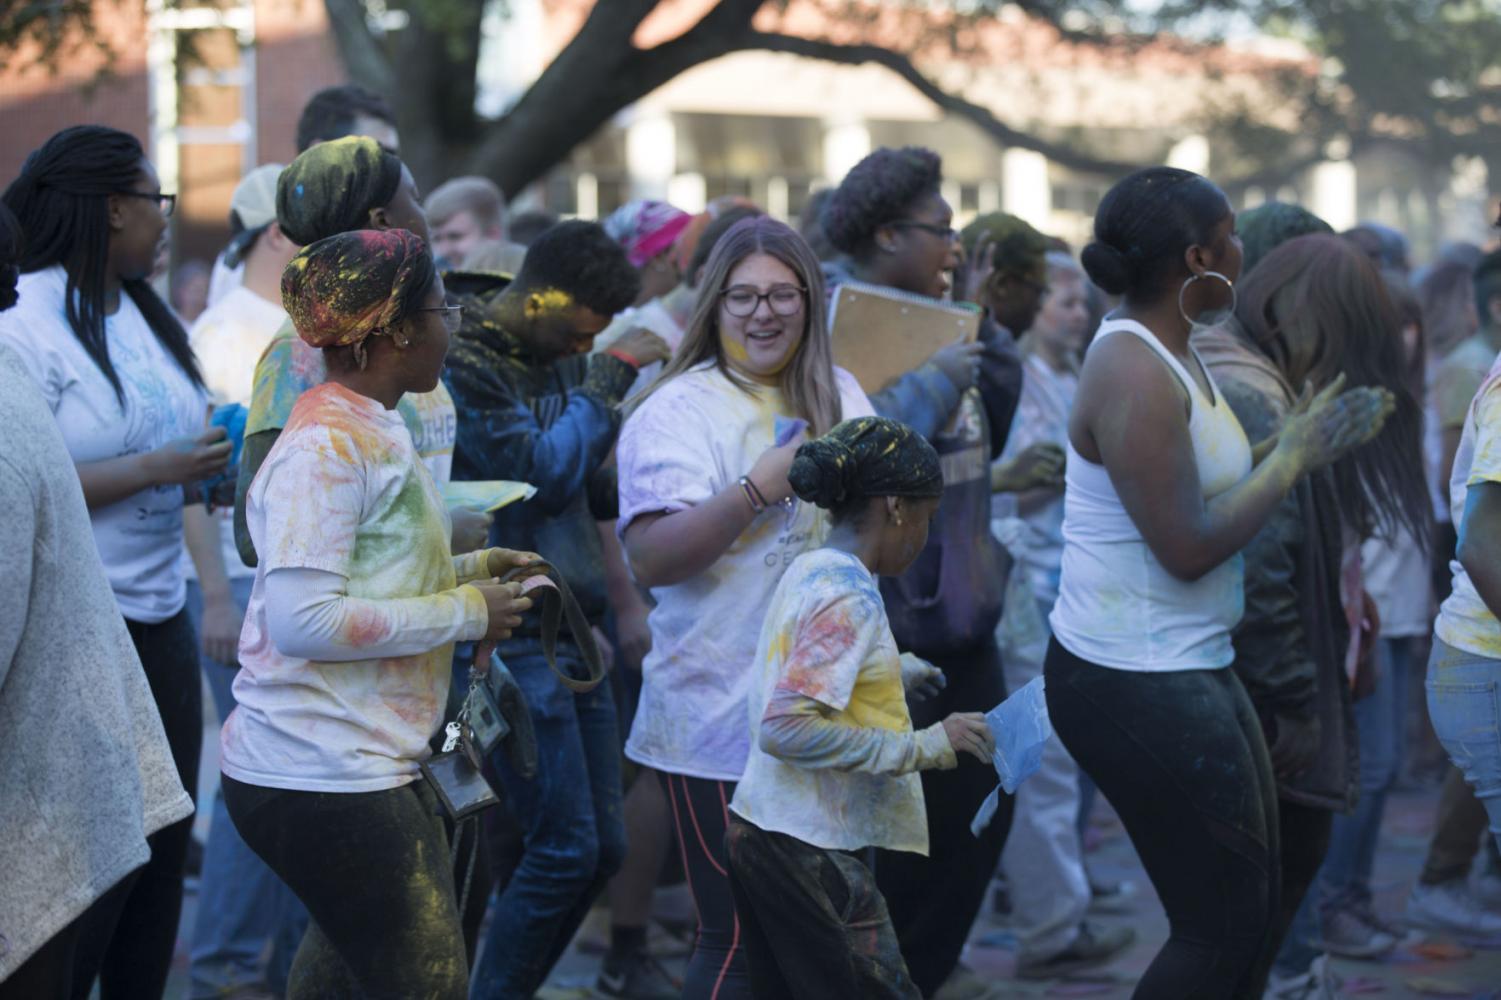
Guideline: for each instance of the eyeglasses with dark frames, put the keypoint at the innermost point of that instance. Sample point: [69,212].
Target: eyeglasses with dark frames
[453,316]
[741,301]
[947,233]
[166,202]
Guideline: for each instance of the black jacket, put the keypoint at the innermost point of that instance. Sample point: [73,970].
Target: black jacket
[1290,645]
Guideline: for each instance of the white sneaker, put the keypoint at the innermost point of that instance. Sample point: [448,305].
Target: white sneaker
[1318,983]
[1451,907]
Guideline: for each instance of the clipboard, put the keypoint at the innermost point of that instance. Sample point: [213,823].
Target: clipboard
[488,496]
[880,333]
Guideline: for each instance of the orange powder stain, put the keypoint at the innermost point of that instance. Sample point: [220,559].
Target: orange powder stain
[365,627]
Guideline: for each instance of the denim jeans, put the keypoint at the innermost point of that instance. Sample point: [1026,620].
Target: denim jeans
[574,830]
[1464,702]
[241,902]
[1380,720]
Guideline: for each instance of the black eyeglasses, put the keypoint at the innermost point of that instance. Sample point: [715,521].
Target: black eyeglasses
[946,233]
[453,316]
[741,301]
[166,202]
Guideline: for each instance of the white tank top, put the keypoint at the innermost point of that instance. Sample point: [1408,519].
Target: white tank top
[1117,606]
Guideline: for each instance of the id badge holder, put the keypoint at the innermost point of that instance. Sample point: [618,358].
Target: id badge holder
[462,790]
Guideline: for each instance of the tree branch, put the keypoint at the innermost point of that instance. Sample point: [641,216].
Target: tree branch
[364,57]
[902,66]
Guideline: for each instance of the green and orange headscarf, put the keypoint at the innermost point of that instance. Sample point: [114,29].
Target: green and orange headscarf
[341,290]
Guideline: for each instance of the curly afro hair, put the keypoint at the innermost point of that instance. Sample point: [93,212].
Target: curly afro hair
[581,259]
[1018,251]
[879,189]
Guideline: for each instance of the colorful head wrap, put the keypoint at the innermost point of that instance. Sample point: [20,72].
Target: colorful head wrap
[342,289]
[332,187]
[863,458]
[645,228]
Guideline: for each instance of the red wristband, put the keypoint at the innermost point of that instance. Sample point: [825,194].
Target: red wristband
[620,355]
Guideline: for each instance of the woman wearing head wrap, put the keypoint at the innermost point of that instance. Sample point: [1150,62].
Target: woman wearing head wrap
[833,769]
[338,187]
[345,658]
[649,231]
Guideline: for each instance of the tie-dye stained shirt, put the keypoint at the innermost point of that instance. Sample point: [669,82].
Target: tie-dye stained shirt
[1464,621]
[342,491]
[844,774]
[692,438]
[290,367]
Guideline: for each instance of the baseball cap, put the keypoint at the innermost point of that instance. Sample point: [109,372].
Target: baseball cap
[254,200]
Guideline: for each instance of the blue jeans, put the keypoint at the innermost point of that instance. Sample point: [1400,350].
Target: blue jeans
[1380,720]
[1464,703]
[574,831]
[241,902]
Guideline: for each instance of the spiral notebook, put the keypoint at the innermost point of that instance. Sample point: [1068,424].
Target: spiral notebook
[880,333]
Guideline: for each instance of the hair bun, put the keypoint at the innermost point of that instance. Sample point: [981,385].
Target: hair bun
[1107,267]
[824,472]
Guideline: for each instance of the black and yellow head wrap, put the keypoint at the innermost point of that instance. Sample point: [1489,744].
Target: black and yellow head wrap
[864,458]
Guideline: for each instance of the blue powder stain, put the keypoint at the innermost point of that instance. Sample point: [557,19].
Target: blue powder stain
[299,190]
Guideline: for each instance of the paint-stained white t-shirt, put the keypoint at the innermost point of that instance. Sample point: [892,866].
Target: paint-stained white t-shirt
[139,537]
[690,439]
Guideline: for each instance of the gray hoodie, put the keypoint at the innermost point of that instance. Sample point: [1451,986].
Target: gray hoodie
[85,771]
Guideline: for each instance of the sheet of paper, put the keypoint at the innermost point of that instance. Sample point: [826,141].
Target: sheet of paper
[489,495]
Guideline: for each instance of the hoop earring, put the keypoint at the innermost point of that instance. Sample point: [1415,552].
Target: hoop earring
[1194,324]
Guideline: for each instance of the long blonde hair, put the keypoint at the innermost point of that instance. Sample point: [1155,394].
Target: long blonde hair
[807,382]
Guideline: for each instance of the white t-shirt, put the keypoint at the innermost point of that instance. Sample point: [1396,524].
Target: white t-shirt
[826,637]
[652,316]
[229,338]
[140,537]
[1117,605]
[1464,621]
[1395,574]
[343,491]
[692,438]
[224,279]
[1042,414]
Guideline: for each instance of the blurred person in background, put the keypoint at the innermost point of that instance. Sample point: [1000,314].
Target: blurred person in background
[116,783]
[241,902]
[1043,858]
[523,227]
[331,113]
[889,219]
[810,224]
[115,367]
[462,214]
[189,284]
[1314,309]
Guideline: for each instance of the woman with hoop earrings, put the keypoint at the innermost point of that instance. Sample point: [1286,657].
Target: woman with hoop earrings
[1162,491]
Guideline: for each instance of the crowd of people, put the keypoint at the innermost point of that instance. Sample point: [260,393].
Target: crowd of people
[1225,481]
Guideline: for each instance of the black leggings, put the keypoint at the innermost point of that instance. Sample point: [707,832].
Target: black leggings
[373,869]
[130,949]
[1181,757]
[717,969]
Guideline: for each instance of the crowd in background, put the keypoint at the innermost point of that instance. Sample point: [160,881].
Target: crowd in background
[1226,480]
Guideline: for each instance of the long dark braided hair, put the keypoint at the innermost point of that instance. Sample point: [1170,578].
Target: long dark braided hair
[61,199]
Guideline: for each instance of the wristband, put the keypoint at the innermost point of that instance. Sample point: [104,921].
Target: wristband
[620,355]
[752,495]
[760,497]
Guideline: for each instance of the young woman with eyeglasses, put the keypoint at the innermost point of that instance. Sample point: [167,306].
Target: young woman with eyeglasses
[710,524]
[114,365]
